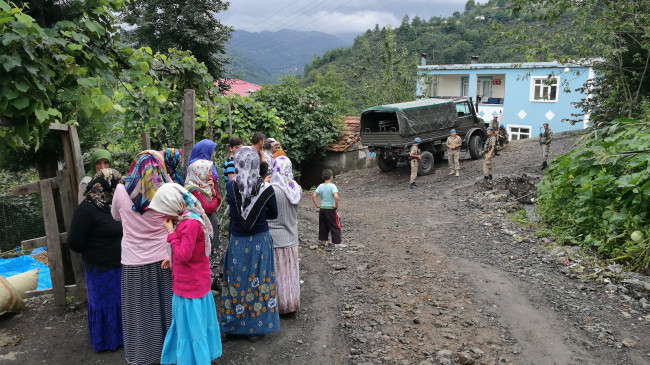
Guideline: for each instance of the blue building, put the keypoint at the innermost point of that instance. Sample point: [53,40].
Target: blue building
[522,95]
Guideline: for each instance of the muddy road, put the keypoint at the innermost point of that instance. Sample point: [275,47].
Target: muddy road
[434,275]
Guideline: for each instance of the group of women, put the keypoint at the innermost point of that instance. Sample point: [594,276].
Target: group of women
[149,241]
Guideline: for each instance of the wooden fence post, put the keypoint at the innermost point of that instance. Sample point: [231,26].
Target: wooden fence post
[53,242]
[188,124]
[146,142]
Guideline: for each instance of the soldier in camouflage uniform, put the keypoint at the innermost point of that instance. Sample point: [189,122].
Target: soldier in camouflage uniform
[453,152]
[414,155]
[494,124]
[488,150]
[545,139]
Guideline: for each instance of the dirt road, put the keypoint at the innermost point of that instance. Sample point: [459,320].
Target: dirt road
[433,275]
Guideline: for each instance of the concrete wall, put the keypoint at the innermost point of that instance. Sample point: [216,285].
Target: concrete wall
[338,162]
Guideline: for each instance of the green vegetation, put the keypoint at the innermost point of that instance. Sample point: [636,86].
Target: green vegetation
[598,195]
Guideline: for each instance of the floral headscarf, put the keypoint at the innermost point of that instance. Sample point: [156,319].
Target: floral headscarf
[146,175]
[172,160]
[251,192]
[174,200]
[198,175]
[100,189]
[282,177]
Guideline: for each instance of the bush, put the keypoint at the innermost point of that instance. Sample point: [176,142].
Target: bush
[597,196]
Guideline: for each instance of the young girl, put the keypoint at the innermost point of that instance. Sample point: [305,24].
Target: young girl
[193,337]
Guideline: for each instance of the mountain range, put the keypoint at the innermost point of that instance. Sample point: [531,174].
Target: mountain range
[261,58]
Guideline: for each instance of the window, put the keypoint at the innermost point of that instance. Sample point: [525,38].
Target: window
[544,89]
[433,86]
[464,86]
[484,88]
[517,132]
[462,109]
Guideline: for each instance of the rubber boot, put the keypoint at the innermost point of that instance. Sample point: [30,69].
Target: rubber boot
[451,172]
[457,172]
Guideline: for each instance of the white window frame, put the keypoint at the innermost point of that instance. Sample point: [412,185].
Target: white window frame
[511,133]
[541,82]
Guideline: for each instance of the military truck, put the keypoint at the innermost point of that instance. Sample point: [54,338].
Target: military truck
[389,130]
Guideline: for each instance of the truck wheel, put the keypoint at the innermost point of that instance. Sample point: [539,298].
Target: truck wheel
[475,148]
[425,167]
[386,165]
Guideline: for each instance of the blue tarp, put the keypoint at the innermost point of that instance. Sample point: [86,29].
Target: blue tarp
[21,264]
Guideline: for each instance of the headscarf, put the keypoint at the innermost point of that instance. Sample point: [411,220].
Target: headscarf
[173,199]
[279,153]
[146,175]
[172,160]
[251,192]
[198,175]
[96,156]
[100,189]
[282,177]
[203,151]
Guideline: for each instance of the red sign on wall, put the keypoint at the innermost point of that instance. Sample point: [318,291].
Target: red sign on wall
[496,82]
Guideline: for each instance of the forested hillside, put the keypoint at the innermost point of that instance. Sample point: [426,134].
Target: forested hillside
[481,30]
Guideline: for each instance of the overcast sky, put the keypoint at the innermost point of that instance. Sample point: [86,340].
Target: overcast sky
[331,16]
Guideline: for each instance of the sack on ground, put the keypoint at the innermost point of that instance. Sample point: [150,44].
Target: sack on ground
[13,288]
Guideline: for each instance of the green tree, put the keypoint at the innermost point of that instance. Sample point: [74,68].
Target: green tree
[188,25]
[335,91]
[310,124]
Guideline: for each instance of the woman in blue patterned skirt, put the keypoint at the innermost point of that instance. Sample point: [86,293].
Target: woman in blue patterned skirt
[249,302]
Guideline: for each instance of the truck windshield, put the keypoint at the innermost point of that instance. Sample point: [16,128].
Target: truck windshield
[462,109]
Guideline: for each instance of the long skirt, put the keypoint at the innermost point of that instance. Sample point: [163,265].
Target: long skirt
[104,308]
[194,336]
[287,277]
[146,311]
[249,301]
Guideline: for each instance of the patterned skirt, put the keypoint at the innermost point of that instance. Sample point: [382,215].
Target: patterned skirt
[287,277]
[249,301]
[104,308]
[146,311]
[194,337]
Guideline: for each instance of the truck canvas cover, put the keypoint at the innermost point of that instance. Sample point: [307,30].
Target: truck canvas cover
[416,117]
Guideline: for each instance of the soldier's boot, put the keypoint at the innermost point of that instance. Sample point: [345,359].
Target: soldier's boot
[457,172]
[489,177]
[413,185]
[485,177]
[544,165]
[451,172]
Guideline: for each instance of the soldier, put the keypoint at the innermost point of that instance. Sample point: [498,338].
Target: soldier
[453,154]
[488,149]
[494,124]
[545,141]
[503,135]
[415,157]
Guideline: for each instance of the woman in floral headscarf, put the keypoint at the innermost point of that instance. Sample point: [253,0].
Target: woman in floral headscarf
[146,282]
[96,235]
[193,337]
[199,182]
[249,304]
[284,231]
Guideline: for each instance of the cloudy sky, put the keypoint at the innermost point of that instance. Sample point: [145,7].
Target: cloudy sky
[331,16]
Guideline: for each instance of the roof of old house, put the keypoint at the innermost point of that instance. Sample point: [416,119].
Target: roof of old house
[240,87]
[350,135]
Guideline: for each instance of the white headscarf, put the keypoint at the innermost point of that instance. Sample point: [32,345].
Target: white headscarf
[282,177]
[251,192]
[174,200]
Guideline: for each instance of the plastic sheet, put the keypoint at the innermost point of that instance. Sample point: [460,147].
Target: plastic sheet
[21,264]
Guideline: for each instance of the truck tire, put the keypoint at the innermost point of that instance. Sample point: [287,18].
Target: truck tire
[425,167]
[386,165]
[475,147]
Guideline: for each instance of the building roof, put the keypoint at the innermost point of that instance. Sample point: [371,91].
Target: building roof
[240,87]
[350,135]
[514,65]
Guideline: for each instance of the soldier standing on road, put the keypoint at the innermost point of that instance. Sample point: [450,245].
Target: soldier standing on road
[488,149]
[415,157]
[545,141]
[453,154]
[494,124]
